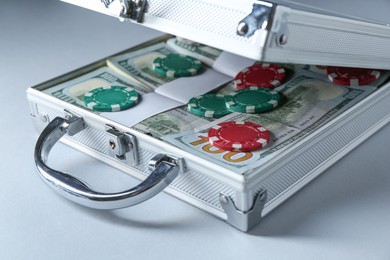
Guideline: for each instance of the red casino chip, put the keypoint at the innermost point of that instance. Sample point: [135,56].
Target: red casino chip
[261,76]
[352,77]
[238,136]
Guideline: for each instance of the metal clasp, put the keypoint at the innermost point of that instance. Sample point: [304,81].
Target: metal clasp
[73,123]
[173,160]
[128,9]
[258,18]
[122,146]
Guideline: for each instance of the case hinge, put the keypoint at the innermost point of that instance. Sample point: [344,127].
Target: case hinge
[127,9]
[173,160]
[259,18]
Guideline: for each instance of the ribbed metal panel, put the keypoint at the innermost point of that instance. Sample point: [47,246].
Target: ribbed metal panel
[315,34]
[191,183]
[279,184]
[200,15]
[199,186]
[292,173]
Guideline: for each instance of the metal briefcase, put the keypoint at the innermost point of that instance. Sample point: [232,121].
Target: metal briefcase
[238,187]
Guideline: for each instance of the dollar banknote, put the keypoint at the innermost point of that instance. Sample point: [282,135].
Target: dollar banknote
[73,91]
[197,143]
[171,122]
[309,102]
[204,53]
[137,65]
[307,99]
[177,120]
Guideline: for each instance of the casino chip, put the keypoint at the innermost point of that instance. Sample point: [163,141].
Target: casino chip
[352,76]
[208,105]
[111,98]
[261,76]
[238,136]
[252,100]
[176,65]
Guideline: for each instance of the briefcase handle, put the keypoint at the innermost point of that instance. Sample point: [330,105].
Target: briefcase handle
[165,171]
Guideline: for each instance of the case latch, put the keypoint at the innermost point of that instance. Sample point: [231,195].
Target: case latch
[122,146]
[258,19]
[127,9]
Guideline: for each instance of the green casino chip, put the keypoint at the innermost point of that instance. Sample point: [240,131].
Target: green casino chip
[111,99]
[176,65]
[252,100]
[208,105]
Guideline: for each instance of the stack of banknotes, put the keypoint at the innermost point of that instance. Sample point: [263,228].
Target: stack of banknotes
[310,100]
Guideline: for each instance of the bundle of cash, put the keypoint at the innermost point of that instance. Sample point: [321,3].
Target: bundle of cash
[310,97]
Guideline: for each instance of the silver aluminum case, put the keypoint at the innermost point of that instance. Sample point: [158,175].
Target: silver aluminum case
[204,182]
[313,33]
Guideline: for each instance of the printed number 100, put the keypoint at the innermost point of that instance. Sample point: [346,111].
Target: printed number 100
[233,157]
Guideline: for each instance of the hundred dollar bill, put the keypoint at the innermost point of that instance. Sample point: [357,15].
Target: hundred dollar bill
[307,99]
[137,65]
[73,91]
[197,143]
[177,120]
[202,52]
[310,103]
[170,122]
[313,68]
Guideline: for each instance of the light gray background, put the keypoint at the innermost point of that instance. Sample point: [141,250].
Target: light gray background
[344,214]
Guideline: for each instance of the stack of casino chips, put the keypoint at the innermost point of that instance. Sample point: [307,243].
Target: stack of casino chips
[254,93]
[238,136]
[111,98]
[176,65]
[352,77]
[119,98]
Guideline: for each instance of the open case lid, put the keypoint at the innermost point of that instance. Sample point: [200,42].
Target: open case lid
[350,33]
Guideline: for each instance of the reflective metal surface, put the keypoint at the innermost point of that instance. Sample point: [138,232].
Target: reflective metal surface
[122,146]
[127,9]
[258,18]
[244,221]
[74,189]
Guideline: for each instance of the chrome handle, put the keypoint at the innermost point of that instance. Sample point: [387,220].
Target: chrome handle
[74,189]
